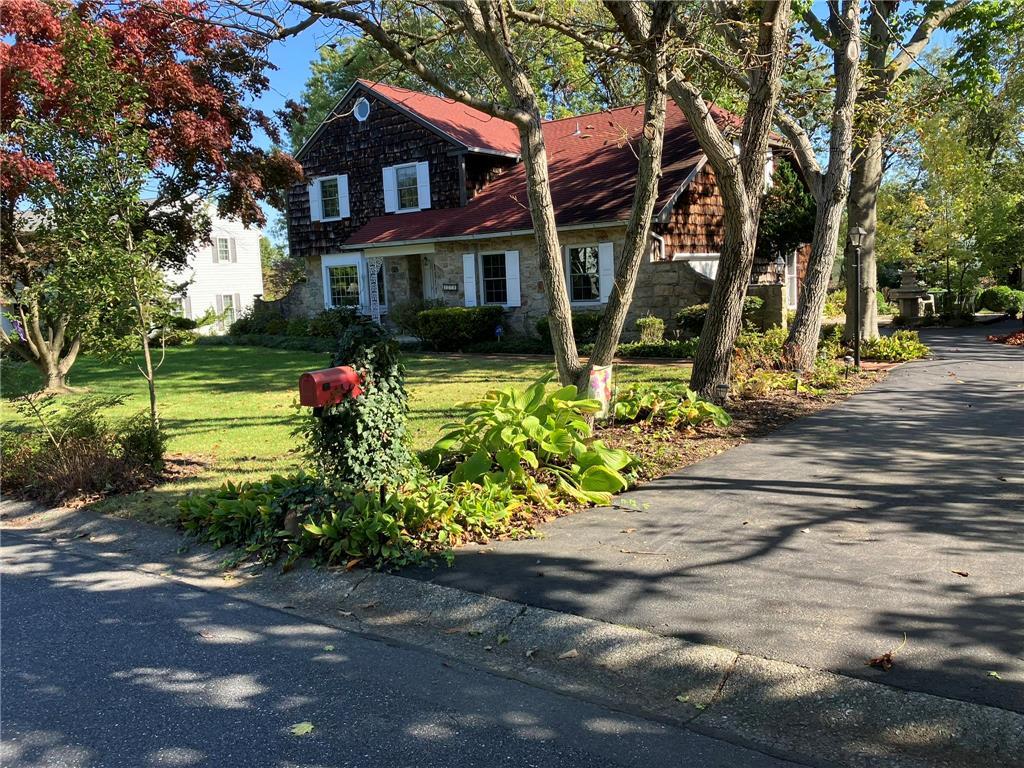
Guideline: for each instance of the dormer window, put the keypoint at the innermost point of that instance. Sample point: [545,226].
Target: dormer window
[406,187]
[328,198]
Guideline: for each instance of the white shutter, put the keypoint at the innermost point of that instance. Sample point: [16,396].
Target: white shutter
[316,212]
[231,249]
[469,278]
[423,184]
[220,303]
[390,190]
[343,196]
[512,298]
[215,249]
[187,306]
[238,305]
[605,269]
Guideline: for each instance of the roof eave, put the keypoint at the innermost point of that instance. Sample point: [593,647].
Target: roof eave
[481,235]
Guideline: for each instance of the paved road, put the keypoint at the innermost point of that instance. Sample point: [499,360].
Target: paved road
[825,542]
[103,666]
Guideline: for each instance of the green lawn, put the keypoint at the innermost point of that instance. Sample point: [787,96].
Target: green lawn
[235,407]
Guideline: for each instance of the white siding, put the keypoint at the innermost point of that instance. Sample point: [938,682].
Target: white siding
[242,277]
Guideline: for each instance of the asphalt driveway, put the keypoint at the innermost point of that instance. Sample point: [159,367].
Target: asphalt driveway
[899,513]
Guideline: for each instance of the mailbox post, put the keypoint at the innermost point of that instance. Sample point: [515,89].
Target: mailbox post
[328,386]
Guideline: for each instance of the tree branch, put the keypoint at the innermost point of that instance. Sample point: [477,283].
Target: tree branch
[923,35]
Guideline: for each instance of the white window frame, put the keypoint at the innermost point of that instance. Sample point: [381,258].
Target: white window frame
[415,187]
[363,277]
[568,275]
[317,205]
[481,288]
[222,258]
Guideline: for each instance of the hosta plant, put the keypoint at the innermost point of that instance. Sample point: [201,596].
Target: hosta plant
[518,437]
[673,404]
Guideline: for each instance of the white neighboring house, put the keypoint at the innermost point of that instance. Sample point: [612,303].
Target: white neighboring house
[225,274]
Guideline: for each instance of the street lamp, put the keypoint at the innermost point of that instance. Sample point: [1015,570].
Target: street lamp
[780,268]
[856,236]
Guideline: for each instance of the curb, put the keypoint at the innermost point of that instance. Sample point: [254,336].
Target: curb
[816,717]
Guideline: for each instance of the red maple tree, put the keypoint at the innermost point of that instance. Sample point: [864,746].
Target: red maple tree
[199,81]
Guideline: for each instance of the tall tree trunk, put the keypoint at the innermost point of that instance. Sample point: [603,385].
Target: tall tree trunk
[648,35]
[713,360]
[830,189]
[485,20]
[862,211]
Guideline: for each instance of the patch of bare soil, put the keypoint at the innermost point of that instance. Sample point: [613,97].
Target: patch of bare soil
[662,449]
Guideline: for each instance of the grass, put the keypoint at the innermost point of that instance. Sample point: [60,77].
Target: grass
[234,408]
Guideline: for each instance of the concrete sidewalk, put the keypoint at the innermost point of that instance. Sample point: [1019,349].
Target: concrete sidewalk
[826,542]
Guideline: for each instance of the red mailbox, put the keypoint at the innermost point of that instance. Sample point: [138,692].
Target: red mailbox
[329,386]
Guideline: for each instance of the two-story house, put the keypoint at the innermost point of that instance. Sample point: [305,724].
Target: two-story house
[414,196]
[224,274]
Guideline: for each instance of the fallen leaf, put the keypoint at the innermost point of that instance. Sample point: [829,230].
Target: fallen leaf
[328,647]
[995,674]
[351,564]
[302,729]
[488,647]
[570,654]
[502,639]
[700,706]
[368,606]
[628,530]
[454,630]
[474,633]
[682,699]
[965,574]
[885,662]
[531,652]
[345,613]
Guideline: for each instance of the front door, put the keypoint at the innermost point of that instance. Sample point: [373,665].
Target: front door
[430,290]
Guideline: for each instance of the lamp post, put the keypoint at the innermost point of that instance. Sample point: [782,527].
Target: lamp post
[856,236]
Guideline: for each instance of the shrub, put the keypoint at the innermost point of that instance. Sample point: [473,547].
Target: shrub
[516,437]
[297,327]
[835,304]
[449,329]
[362,441]
[332,323]
[258,319]
[584,327]
[673,404]
[1002,298]
[338,523]
[675,348]
[691,319]
[652,329]
[405,315]
[305,343]
[73,450]
[757,349]
[899,347]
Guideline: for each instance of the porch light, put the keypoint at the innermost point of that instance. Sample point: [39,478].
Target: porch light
[780,268]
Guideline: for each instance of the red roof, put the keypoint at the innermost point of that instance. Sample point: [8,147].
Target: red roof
[468,126]
[592,165]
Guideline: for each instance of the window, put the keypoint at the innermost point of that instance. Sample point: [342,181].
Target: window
[343,285]
[584,274]
[361,110]
[347,283]
[330,199]
[406,184]
[493,278]
[223,252]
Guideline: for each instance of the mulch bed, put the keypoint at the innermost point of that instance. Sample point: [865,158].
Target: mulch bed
[662,450]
